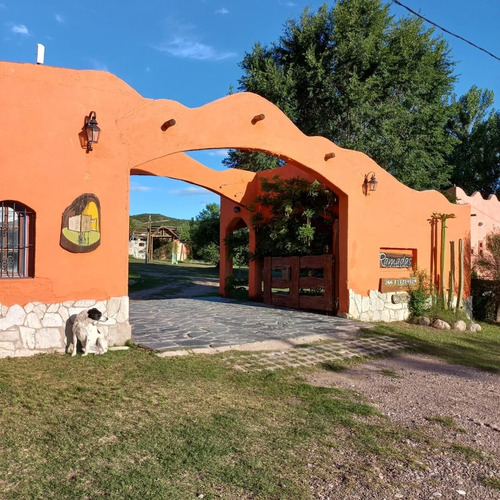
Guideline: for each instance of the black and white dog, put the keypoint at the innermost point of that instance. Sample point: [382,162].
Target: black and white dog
[85,330]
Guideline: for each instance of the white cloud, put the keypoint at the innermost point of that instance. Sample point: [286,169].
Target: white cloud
[190,191]
[186,48]
[222,11]
[60,19]
[20,29]
[218,152]
[139,188]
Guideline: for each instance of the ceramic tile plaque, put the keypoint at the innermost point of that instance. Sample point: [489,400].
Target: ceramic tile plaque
[81,224]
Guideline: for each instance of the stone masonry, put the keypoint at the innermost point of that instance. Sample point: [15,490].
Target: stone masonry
[46,328]
[317,353]
[377,306]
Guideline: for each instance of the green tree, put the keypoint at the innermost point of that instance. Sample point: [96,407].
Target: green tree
[184,230]
[204,234]
[476,157]
[354,75]
[237,244]
[254,161]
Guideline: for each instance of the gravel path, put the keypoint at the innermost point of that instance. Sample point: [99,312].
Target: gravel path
[456,405]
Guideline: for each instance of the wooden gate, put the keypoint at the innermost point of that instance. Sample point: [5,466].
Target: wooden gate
[300,282]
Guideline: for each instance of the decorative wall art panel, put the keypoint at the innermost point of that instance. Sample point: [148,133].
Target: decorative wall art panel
[81,224]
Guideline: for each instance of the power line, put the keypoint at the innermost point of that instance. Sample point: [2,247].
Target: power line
[444,29]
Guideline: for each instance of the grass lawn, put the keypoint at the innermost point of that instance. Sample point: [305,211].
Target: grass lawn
[481,350]
[132,425]
[171,276]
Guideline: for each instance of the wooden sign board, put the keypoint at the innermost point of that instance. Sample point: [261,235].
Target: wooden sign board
[398,284]
[396,259]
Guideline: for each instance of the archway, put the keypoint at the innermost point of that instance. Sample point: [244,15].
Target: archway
[238,189]
[165,130]
[236,215]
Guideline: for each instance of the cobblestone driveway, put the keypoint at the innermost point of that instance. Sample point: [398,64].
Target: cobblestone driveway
[215,324]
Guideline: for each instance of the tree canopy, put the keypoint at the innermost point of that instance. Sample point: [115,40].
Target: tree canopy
[354,74]
[204,234]
[476,158]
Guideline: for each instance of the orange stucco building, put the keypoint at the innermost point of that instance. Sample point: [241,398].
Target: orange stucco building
[70,207]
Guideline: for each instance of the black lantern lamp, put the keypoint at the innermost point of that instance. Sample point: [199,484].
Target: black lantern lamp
[370,182]
[92,130]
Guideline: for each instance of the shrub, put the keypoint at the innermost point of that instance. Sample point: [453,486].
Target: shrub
[419,303]
[484,299]
[236,288]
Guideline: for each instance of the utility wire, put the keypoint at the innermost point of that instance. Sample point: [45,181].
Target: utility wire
[444,29]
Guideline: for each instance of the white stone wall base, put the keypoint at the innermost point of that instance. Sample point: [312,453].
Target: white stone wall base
[378,306]
[47,328]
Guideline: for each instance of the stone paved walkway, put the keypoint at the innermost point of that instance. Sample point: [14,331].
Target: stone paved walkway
[202,322]
[209,325]
[334,350]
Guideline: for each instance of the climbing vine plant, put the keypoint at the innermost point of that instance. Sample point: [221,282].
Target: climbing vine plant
[293,217]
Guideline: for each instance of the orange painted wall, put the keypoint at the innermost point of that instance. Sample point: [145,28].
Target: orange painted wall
[44,166]
[393,217]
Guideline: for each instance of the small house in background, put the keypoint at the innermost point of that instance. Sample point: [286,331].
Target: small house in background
[485,217]
[158,243]
[137,246]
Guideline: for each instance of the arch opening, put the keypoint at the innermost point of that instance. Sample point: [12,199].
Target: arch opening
[192,171]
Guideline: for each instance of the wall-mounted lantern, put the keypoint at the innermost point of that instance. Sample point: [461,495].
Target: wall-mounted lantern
[92,130]
[371,182]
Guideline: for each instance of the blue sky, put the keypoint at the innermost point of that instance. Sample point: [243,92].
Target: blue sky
[189,50]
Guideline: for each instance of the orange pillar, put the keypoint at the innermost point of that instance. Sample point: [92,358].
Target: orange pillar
[254,270]
[226,264]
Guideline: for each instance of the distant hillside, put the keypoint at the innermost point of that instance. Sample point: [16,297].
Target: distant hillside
[141,220]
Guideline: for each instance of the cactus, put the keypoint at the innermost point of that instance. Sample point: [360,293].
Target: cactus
[451,291]
[443,218]
[460,273]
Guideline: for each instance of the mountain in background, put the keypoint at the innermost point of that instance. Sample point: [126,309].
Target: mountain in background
[141,220]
